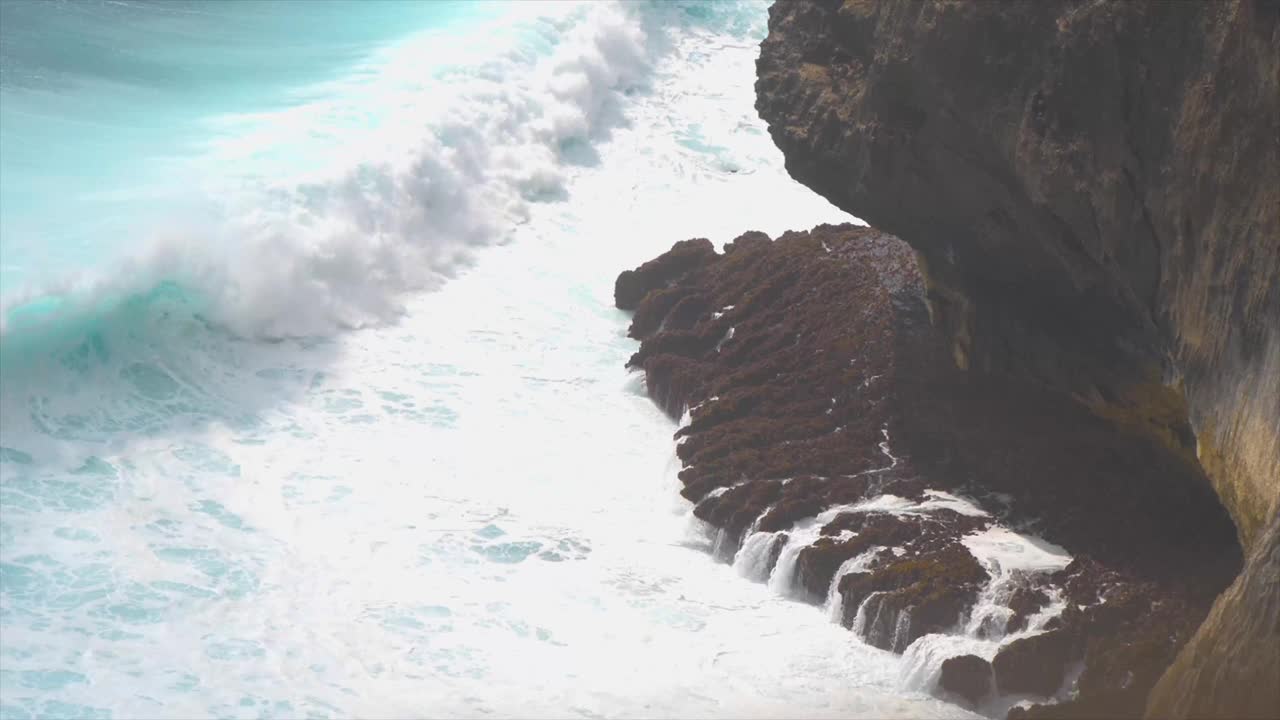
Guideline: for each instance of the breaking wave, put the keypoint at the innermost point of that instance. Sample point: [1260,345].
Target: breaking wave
[398,207]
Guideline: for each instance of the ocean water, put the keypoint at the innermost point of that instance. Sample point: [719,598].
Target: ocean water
[312,394]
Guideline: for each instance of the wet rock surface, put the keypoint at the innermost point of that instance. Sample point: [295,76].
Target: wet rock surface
[815,385]
[1025,600]
[1034,665]
[1094,189]
[967,677]
[911,596]
[929,541]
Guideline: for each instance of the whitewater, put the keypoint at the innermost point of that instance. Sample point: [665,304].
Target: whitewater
[311,384]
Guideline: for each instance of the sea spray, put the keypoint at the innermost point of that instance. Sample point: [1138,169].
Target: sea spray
[752,560]
[782,580]
[1011,560]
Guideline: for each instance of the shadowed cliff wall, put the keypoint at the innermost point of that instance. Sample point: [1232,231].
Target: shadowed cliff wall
[1094,191]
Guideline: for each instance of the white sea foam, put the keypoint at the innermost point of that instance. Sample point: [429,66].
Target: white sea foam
[751,562]
[457,169]
[1010,559]
[934,500]
[858,563]
[728,335]
[1011,551]
[460,514]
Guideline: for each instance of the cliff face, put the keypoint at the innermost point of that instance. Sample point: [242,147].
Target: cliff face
[1094,192]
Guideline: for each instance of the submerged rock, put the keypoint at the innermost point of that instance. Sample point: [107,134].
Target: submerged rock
[967,677]
[1033,665]
[916,537]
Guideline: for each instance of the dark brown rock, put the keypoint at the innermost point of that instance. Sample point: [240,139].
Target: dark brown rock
[1026,600]
[966,676]
[832,354]
[910,596]
[649,318]
[633,285]
[914,536]
[1035,665]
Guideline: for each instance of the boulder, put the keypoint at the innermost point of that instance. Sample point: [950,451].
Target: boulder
[967,677]
[1025,601]
[1033,665]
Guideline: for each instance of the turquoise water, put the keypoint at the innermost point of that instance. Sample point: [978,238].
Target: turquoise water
[312,400]
[104,105]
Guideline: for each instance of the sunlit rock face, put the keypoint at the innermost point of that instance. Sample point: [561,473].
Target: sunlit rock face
[838,454]
[1094,192]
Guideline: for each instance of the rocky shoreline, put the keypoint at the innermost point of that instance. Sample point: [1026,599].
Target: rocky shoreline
[1093,189]
[846,460]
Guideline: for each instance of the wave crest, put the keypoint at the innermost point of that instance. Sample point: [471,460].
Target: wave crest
[455,171]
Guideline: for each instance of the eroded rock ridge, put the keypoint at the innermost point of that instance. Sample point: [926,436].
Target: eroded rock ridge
[844,459]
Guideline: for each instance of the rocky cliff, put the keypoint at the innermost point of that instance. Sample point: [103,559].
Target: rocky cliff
[841,456]
[1093,189]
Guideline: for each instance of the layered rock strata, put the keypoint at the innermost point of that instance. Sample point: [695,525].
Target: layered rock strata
[830,437]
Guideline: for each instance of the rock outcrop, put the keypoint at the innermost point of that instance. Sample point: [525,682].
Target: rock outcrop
[1094,192]
[966,676]
[831,439]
